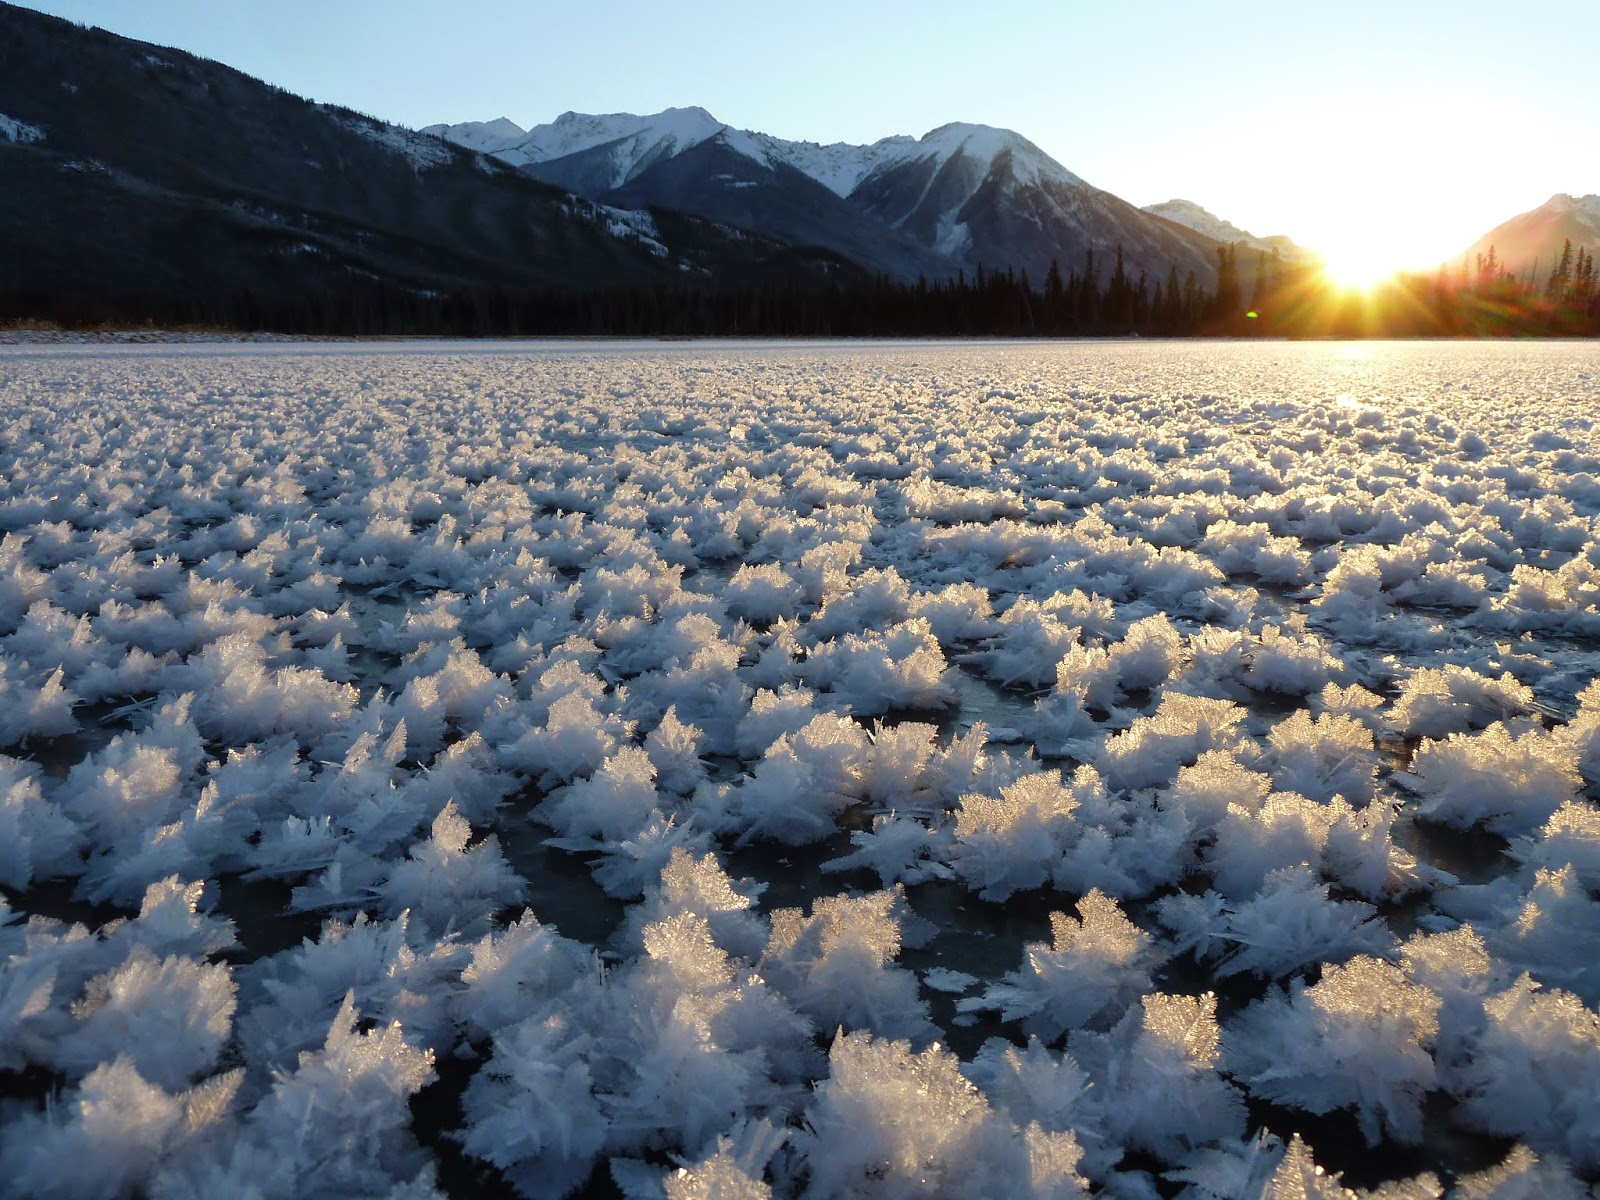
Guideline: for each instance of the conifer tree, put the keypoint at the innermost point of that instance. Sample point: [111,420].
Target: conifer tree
[1488,270]
[1089,297]
[1191,302]
[1053,302]
[1226,304]
[1172,310]
[1052,282]
[1560,275]
[1119,297]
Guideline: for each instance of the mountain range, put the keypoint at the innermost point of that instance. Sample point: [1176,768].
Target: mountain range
[957,198]
[1529,244]
[140,178]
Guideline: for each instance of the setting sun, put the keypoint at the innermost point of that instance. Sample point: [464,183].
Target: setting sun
[1370,183]
[1357,268]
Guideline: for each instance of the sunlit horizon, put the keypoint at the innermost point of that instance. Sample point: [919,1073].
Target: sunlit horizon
[1379,137]
[1358,273]
[1374,186]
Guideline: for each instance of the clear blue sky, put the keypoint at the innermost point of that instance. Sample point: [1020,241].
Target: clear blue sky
[1419,122]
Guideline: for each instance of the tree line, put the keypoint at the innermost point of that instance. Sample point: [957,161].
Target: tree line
[1099,296]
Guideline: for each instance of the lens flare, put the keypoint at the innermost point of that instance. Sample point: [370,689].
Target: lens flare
[1358,268]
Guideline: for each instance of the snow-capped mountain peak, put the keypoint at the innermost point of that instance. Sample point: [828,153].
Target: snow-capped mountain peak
[1585,208]
[843,167]
[985,145]
[489,137]
[957,197]
[1191,216]
[572,131]
[838,166]
[640,141]
[631,142]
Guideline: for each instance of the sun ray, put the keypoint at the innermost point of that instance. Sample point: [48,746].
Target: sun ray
[1358,269]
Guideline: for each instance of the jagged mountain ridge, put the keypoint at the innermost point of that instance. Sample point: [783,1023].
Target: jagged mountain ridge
[1193,216]
[632,143]
[958,197]
[719,182]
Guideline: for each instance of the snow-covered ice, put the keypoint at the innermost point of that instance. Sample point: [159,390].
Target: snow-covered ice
[799,770]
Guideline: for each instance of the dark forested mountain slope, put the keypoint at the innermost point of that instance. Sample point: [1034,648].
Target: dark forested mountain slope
[136,175]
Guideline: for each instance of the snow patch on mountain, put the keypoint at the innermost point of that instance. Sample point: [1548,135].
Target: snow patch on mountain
[20,132]
[1585,208]
[634,142]
[421,151]
[1191,216]
[1563,203]
[985,145]
[840,166]
[954,237]
[637,142]
[488,137]
[635,224]
[757,147]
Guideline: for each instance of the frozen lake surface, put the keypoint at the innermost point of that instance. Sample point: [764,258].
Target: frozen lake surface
[827,770]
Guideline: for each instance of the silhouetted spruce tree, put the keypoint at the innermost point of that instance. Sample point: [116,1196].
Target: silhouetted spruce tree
[1583,282]
[1226,303]
[1025,311]
[1171,315]
[1053,300]
[1119,298]
[1488,271]
[1089,296]
[1560,275]
[1193,303]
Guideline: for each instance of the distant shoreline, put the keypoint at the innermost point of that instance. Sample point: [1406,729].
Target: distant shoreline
[189,337]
